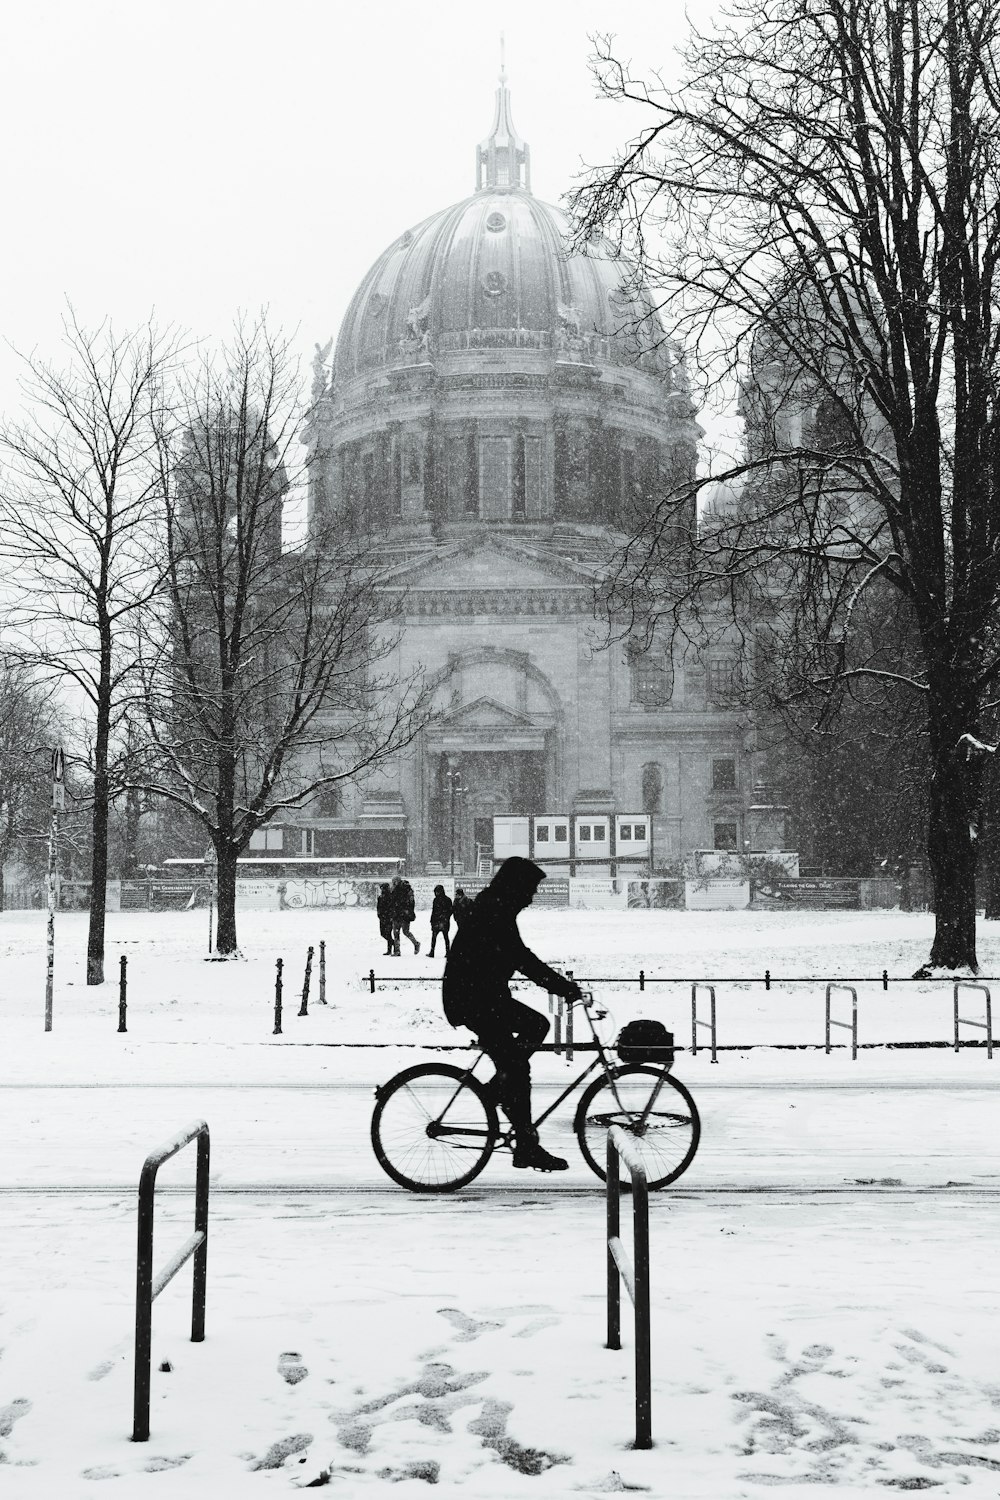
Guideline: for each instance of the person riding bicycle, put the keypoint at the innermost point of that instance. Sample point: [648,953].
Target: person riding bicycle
[487,950]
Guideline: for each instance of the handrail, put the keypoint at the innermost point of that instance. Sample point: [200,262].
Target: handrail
[987,1025]
[635,1277]
[851,1025]
[696,1022]
[148,1286]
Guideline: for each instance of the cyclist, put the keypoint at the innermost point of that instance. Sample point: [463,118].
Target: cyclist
[487,950]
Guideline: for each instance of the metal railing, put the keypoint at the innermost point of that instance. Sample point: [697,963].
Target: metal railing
[696,1021]
[635,1276]
[148,1286]
[987,1025]
[852,1024]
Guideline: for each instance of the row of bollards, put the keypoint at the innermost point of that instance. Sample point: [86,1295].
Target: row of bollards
[303,1008]
[306,980]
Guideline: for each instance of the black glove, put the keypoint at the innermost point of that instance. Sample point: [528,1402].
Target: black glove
[572,990]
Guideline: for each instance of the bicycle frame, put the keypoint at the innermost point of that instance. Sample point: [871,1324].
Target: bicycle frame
[602,1060]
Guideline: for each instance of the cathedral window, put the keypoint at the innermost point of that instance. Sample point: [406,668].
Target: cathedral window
[652,787]
[723,680]
[495,477]
[650,679]
[518,508]
[725,836]
[724,774]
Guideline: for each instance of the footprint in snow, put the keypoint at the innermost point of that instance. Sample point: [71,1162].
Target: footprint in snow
[11,1413]
[466,1328]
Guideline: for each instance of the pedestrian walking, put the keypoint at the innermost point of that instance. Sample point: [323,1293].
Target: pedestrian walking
[441,909]
[402,910]
[383,907]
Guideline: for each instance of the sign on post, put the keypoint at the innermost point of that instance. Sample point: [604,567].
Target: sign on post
[58,783]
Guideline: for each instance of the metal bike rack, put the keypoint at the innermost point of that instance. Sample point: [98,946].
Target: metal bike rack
[636,1278]
[695,1022]
[987,1025]
[147,1287]
[852,1024]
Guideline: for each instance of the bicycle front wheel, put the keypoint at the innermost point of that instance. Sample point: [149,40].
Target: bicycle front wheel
[432,1129]
[666,1128]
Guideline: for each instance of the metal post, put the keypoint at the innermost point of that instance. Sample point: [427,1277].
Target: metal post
[277,999]
[767,979]
[643,1373]
[304,1007]
[371,979]
[642,979]
[885,979]
[322,973]
[613,1199]
[122,992]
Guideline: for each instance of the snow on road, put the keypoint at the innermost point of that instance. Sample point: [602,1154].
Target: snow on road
[832,1322]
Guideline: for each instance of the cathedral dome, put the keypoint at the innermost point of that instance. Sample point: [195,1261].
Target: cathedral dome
[486,374]
[492,271]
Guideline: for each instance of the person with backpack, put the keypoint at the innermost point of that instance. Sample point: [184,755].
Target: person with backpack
[382,909]
[487,951]
[402,909]
[441,909]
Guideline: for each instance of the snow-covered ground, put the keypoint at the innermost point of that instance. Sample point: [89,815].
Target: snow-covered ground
[824,1281]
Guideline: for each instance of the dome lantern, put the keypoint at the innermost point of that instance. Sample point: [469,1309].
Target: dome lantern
[503,160]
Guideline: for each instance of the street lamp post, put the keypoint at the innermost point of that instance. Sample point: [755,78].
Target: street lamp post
[454,775]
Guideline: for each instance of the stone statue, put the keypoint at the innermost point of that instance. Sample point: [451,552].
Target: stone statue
[319,380]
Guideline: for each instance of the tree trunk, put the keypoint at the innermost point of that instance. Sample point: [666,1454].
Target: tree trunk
[952,835]
[99,828]
[225,927]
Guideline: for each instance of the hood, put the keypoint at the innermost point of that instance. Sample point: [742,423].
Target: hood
[515,883]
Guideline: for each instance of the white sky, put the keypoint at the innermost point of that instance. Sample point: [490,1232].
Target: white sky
[197,157]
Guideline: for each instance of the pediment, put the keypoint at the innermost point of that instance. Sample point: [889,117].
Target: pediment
[485,713]
[489,565]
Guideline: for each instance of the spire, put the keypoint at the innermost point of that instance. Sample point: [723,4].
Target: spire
[503,160]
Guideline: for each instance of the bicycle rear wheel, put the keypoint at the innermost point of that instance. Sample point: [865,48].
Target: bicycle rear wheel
[432,1129]
[667,1133]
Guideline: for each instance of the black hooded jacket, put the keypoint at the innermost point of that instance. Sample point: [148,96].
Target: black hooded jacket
[488,949]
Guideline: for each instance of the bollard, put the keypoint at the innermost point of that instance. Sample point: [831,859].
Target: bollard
[304,1007]
[122,992]
[642,979]
[371,979]
[277,999]
[322,974]
[767,979]
[885,979]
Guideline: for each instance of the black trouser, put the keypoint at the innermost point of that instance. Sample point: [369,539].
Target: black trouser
[434,937]
[508,1039]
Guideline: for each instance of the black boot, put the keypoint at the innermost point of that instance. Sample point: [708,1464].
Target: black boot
[529,1152]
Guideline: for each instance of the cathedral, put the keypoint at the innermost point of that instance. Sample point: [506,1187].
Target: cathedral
[503,409]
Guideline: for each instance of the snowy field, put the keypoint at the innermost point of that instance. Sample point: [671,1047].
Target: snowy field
[823,1277]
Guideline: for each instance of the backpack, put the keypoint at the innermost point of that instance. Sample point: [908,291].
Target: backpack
[645,1041]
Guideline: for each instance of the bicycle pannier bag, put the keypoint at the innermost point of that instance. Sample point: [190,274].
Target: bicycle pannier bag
[645,1041]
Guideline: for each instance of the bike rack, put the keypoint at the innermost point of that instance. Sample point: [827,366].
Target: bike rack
[851,1025]
[636,1278]
[695,1022]
[987,1025]
[147,1287]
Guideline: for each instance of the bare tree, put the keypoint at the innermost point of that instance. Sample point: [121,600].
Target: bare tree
[28,729]
[76,500]
[818,201]
[266,684]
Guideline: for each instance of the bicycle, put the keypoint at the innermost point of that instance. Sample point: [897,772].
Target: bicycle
[434,1129]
